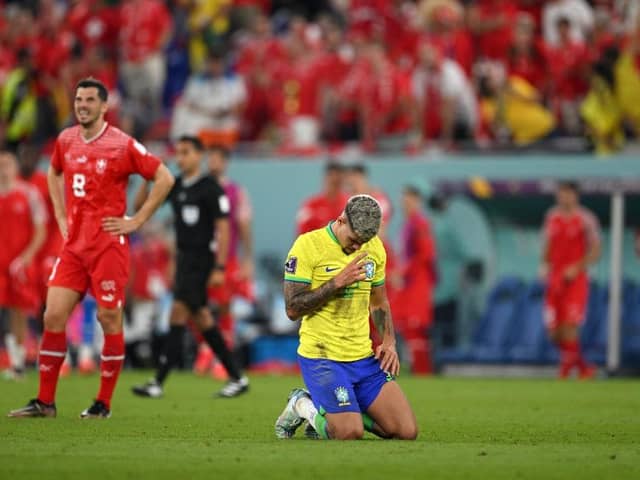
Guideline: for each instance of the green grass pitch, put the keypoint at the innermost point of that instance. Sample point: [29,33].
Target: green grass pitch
[470,429]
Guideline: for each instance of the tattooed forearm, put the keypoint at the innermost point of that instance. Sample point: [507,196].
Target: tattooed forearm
[382,320]
[300,300]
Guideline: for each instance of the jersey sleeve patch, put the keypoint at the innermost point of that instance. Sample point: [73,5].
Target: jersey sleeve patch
[224,204]
[291,265]
[141,148]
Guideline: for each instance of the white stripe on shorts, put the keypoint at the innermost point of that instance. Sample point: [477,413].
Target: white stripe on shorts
[116,357]
[49,353]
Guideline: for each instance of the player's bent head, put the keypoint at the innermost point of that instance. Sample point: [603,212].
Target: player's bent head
[363,213]
[90,82]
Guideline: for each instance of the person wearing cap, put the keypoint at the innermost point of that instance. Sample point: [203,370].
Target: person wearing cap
[319,209]
[334,279]
[416,277]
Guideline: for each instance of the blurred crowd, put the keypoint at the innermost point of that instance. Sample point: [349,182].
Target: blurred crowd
[293,77]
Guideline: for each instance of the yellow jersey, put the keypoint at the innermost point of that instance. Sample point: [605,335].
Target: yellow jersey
[340,330]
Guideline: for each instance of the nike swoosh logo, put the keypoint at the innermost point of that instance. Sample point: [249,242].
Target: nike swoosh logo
[329,269]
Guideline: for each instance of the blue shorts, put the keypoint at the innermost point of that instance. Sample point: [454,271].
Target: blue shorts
[338,387]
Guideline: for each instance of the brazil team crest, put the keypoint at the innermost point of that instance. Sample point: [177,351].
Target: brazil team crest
[342,395]
[369,270]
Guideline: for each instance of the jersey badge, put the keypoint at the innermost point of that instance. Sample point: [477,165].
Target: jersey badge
[369,270]
[101,165]
[291,265]
[190,214]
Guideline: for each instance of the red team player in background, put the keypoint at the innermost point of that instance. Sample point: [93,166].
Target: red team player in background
[416,278]
[93,162]
[572,243]
[21,237]
[318,210]
[239,266]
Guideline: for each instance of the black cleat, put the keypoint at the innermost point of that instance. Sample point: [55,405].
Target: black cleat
[233,388]
[34,409]
[97,410]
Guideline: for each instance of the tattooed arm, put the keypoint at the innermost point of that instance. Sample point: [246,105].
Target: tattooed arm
[301,300]
[381,315]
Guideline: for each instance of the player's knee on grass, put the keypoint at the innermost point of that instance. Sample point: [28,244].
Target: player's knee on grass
[407,430]
[350,428]
[110,319]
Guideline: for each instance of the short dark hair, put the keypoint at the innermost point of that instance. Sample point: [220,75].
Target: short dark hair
[333,166]
[357,168]
[91,82]
[221,149]
[569,185]
[194,141]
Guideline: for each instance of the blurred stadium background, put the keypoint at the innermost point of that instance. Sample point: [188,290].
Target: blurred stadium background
[487,103]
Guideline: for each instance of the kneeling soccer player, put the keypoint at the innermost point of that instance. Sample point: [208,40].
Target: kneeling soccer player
[333,277]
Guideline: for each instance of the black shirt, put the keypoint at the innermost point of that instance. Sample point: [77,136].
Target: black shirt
[197,204]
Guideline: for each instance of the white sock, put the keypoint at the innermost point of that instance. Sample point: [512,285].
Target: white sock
[15,352]
[306,409]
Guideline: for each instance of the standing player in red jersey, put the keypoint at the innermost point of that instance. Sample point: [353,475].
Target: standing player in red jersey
[239,266]
[413,308]
[92,161]
[21,236]
[29,157]
[572,243]
[318,210]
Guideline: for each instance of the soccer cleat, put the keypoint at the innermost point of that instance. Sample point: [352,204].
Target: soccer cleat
[97,410]
[289,420]
[233,388]
[589,373]
[151,389]
[310,432]
[34,409]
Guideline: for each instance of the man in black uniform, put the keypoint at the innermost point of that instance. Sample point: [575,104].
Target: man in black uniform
[200,209]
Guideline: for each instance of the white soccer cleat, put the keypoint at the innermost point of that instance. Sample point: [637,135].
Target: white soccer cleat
[289,420]
[233,388]
[151,389]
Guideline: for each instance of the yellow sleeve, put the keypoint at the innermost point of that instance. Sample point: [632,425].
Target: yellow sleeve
[299,264]
[381,265]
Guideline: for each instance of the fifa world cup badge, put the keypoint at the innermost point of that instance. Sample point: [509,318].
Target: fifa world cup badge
[369,270]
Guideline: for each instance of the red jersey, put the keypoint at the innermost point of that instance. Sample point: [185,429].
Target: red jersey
[53,242]
[494,44]
[150,264]
[568,238]
[144,24]
[418,252]
[21,208]
[317,211]
[568,64]
[96,173]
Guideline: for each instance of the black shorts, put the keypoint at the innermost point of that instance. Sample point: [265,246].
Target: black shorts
[192,276]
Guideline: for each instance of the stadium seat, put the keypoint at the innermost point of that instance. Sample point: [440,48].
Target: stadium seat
[491,336]
[527,342]
[631,326]
[593,337]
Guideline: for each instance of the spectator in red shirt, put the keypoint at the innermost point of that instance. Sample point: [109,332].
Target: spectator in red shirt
[146,27]
[527,55]
[318,210]
[95,24]
[568,65]
[445,105]
[491,22]
[445,27]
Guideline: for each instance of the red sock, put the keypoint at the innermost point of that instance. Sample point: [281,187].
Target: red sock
[110,366]
[574,347]
[53,349]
